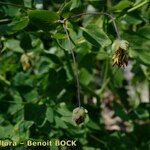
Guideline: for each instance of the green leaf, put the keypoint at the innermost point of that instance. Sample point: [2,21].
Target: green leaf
[59,36]
[43,19]
[26,42]
[118,78]
[21,130]
[145,32]
[11,11]
[138,5]
[5,131]
[31,96]
[56,82]
[142,56]
[13,45]
[35,112]
[53,57]
[96,36]
[50,114]
[142,113]
[2,79]
[28,3]
[22,79]
[17,105]
[75,4]
[119,111]
[83,48]
[85,76]
[91,124]
[122,5]
[15,26]
[85,63]
[63,110]
[102,55]
[60,123]
[132,19]
[43,15]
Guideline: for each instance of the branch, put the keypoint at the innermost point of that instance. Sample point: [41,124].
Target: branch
[98,13]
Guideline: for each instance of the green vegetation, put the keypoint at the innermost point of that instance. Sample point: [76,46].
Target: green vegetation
[64,55]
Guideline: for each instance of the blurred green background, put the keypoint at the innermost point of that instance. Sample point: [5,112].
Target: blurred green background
[37,83]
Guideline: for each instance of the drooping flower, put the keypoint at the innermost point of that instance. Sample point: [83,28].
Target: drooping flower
[79,115]
[120,56]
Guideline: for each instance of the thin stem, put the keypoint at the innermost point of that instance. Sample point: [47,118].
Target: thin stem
[98,13]
[149,91]
[4,20]
[75,64]
[138,5]
[72,42]
[62,6]
[67,58]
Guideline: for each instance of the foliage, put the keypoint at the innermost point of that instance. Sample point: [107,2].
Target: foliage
[37,73]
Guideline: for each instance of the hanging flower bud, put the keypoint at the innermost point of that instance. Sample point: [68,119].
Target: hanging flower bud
[26,61]
[79,115]
[120,56]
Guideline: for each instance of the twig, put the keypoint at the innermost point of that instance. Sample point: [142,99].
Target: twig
[72,42]
[98,13]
